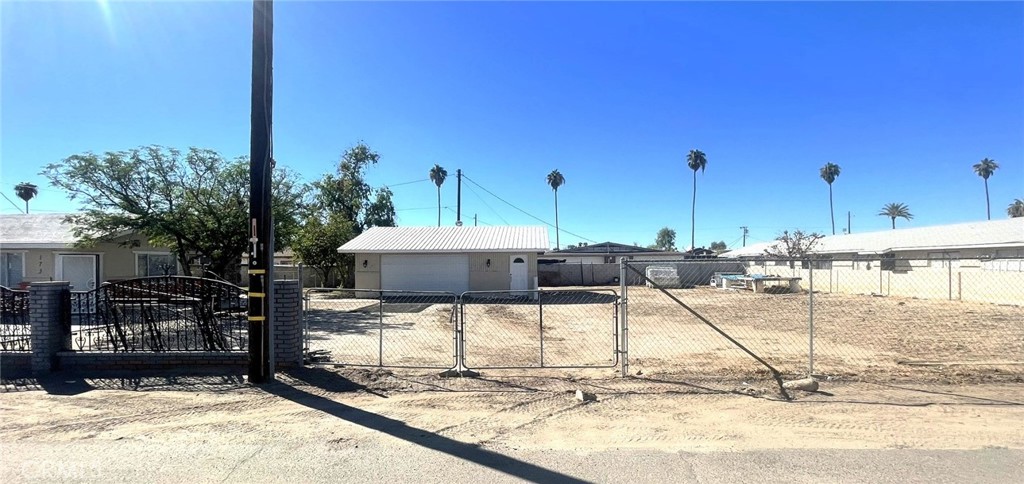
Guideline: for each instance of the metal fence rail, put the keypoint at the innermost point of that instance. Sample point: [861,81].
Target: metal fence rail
[15,332]
[540,328]
[400,329]
[166,313]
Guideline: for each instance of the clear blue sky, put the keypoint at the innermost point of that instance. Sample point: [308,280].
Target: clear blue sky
[904,96]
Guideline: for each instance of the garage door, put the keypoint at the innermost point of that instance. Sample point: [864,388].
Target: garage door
[425,273]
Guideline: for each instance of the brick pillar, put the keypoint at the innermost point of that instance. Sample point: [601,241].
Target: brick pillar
[287,329]
[49,306]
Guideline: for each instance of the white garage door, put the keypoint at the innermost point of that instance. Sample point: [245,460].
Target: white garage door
[425,273]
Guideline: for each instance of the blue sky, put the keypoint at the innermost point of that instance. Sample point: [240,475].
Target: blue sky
[904,96]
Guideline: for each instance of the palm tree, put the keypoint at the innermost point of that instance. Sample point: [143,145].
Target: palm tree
[893,210]
[1016,209]
[985,168]
[829,173]
[695,160]
[437,175]
[26,191]
[555,180]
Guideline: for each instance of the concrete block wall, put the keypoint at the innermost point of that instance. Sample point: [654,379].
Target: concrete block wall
[177,361]
[15,364]
[287,327]
[49,303]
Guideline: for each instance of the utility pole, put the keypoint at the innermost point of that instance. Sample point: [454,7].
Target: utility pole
[847,221]
[458,198]
[474,220]
[745,232]
[261,167]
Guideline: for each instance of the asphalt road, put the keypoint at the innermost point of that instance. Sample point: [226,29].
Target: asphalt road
[434,459]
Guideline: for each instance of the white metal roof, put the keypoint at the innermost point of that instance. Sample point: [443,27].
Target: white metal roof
[32,231]
[424,240]
[986,234]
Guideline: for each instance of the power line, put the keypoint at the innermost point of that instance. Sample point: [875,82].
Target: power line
[549,224]
[407,183]
[477,219]
[477,195]
[12,202]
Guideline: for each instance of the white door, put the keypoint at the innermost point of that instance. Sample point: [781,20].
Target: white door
[519,272]
[79,270]
[429,272]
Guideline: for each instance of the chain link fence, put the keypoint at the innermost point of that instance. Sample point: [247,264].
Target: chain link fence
[880,319]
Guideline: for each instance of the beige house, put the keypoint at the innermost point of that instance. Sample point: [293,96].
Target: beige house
[977,261]
[450,259]
[40,247]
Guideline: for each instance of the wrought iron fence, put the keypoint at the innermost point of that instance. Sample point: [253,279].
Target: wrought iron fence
[15,332]
[572,328]
[165,313]
[400,329]
[874,318]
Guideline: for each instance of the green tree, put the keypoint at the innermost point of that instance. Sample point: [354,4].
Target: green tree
[348,196]
[986,168]
[317,245]
[1016,209]
[894,210]
[26,191]
[438,175]
[829,173]
[194,202]
[555,180]
[666,239]
[696,160]
[719,247]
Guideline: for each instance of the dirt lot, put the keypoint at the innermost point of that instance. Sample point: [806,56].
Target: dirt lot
[509,410]
[856,337]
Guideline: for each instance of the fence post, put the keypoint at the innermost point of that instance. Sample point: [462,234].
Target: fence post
[288,336]
[49,323]
[810,323]
[624,313]
[540,305]
[380,329]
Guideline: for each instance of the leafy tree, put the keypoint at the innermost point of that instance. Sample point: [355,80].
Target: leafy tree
[794,245]
[318,241]
[348,197]
[1016,209]
[894,210]
[195,203]
[696,159]
[666,239]
[438,175]
[555,180]
[986,168]
[26,191]
[719,247]
[829,173]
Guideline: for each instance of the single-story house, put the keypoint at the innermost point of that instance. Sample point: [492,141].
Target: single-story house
[607,253]
[41,247]
[452,259]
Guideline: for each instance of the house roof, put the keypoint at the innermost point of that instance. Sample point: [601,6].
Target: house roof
[35,231]
[986,234]
[605,248]
[432,240]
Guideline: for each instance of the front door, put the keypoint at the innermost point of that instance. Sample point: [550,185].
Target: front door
[519,272]
[79,270]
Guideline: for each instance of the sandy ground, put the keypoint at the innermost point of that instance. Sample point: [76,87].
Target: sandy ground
[509,410]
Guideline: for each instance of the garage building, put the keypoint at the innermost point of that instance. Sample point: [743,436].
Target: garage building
[451,259]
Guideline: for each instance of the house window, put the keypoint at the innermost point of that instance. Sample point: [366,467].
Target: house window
[12,269]
[155,264]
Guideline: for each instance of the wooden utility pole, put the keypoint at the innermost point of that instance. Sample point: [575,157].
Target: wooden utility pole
[261,168]
[458,198]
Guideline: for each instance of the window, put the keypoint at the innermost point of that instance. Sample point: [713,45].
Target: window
[944,259]
[155,264]
[12,269]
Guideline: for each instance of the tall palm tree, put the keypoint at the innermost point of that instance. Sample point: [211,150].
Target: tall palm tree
[829,173]
[985,168]
[1016,209]
[893,210]
[437,175]
[695,160]
[26,191]
[555,180]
